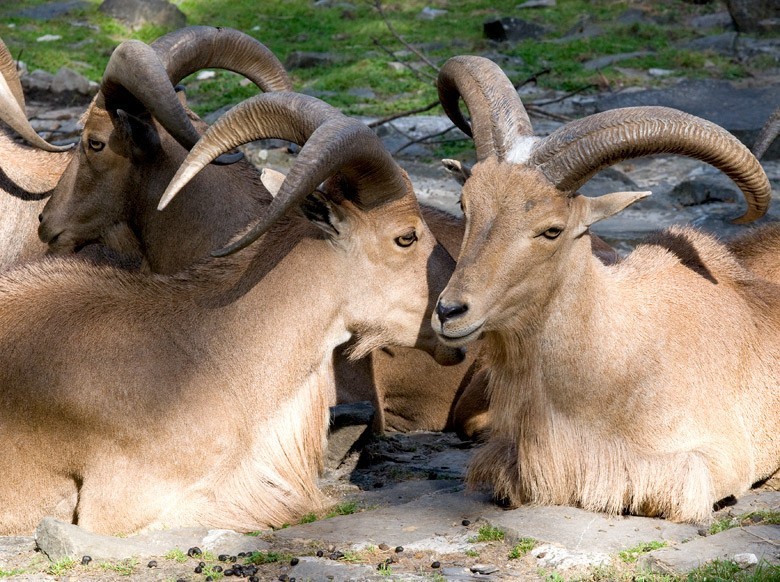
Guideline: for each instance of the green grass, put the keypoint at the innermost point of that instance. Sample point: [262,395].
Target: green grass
[62,566]
[362,39]
[472,553]
[751,518]
[727,571]
[632,554]
[176,555]
[309,518]
[258,558]
[488,533]
[8,573]
[521,548]
[123,567]
[346,508]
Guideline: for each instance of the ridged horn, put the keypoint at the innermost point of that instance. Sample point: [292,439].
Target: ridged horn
[499,118]
[139,76]
[12,109]
[768,134]
[193,48]
[332,144]
[573,153]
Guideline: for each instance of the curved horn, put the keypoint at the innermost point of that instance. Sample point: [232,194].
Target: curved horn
[193,48]
[573,153]
[142,76]
[499,119]
[332,143]
[768,134]
[12,104]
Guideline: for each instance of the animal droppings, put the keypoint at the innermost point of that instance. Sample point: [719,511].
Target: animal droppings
[192,552]
[436,564]
[465,522]
[152,564]
[294,562]
[86,560]
[198,569]
[399,549]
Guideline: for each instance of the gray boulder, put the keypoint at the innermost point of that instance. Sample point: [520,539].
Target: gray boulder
[742,111]
[755,16]
[136,13]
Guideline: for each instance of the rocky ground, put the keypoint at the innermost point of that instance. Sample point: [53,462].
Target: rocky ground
[400,509]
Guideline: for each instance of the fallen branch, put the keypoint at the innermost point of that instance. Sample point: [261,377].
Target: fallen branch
[422,57]
[416,72]
[423,138]
[395,116]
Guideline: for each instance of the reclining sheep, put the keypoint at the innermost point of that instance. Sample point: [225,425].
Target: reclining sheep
[132,401]
[109,194]
[648,386]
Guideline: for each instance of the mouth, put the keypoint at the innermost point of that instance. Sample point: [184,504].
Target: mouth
[460,337]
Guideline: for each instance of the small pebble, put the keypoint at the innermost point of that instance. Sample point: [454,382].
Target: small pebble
[86,560]
[320,553]
[465,522]
[436,564]
[294,562]
[384,547]
[399,549]
[152,564]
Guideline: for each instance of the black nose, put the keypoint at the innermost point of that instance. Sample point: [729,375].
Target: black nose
[447,311]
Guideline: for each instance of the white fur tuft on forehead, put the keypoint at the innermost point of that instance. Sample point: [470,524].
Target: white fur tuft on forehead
[521,149]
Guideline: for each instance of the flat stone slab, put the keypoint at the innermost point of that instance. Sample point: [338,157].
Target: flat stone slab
[60,540]
[577,529]
[427,518]
[763,541]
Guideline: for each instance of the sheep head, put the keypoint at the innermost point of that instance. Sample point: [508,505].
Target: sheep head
[137,129]
[526,226]
[346,185]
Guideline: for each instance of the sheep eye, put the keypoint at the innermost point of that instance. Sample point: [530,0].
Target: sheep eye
[406,240]
[552,233]
[95,145]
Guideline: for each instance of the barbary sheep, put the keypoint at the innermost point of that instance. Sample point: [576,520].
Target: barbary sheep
[133,401]
[127,155]
[650,386]
[28,173]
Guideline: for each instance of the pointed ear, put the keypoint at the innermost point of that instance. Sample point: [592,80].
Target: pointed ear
[324,213]
[272,180]
[609,204]
[141,135]
[457,170]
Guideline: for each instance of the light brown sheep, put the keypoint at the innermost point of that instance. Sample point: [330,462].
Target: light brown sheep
[648,386]
[131,401]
